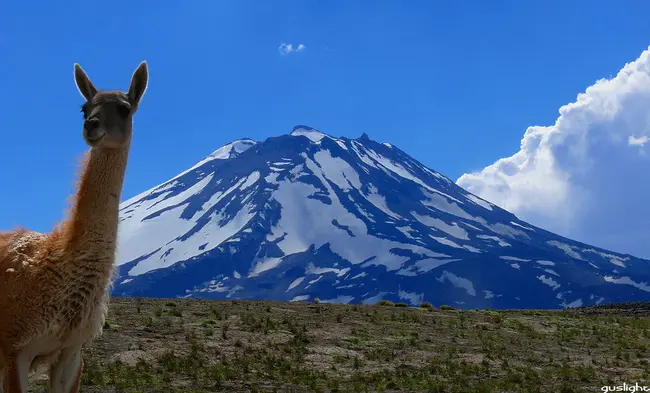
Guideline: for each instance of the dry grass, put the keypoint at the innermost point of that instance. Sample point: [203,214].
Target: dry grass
[162,345]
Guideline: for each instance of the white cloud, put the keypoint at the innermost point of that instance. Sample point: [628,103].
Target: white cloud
[632,141]
[285,49]
[586,176]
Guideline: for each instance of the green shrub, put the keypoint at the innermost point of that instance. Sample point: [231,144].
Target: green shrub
[387,303]
[446,307]
[426,305]
[401,305]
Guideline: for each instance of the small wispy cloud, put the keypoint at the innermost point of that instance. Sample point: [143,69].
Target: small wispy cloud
[286,49]
[632,141]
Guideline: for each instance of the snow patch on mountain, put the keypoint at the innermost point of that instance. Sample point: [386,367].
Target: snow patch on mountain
[549,281]
[569,250]
[628,281]
[458,282]
[509,258]
[452,229]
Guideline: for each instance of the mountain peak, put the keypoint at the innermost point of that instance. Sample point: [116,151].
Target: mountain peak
[225,152]
[311,133]
[232,149]
[302,127]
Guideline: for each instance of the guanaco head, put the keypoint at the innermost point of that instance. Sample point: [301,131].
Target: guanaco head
[108,115]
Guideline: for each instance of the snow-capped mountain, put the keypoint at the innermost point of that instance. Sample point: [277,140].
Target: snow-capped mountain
[306,215]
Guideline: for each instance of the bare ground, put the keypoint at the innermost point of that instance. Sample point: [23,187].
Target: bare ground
[163,345]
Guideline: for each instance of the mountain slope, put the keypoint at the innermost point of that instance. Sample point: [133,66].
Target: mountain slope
[306,215]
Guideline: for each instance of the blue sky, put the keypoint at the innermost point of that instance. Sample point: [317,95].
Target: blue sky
[454,84]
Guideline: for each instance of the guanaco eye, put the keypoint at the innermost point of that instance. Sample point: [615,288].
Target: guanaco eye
[123,110]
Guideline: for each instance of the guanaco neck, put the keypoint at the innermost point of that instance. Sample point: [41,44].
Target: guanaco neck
[91,230]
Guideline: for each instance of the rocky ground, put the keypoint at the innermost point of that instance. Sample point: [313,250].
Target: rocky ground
[162,345]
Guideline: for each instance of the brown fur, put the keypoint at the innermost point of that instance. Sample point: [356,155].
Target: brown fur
[54,287]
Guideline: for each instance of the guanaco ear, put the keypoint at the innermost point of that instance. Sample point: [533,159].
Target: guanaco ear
[84,85]
[139,82]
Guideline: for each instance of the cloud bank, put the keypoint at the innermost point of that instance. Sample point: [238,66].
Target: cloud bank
[587,176]
[285,49]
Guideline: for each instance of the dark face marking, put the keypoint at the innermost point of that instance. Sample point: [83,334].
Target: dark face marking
[85,109]
[107,119]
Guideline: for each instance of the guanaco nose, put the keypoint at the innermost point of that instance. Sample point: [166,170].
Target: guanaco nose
[91,124]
